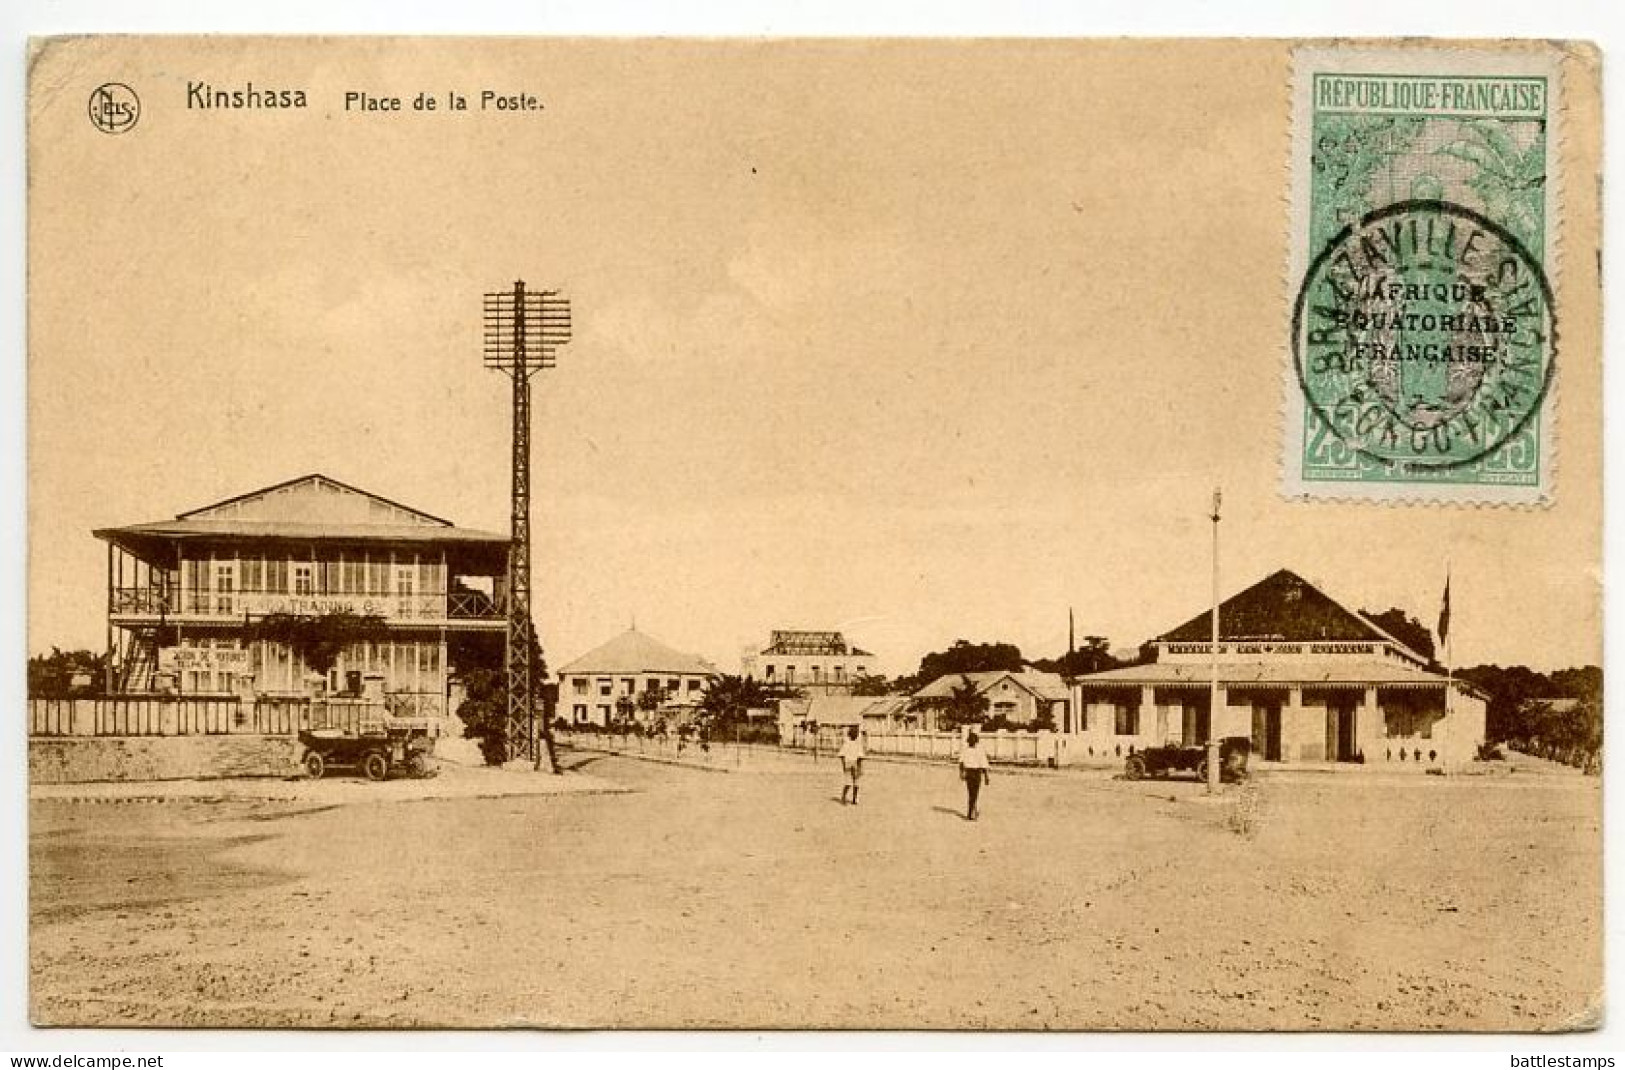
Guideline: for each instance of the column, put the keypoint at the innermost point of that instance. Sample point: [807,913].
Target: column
[1369,727]
[1292,725]
[1148,711]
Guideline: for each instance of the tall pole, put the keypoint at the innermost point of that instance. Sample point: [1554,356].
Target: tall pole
[523,330]
[521,711]
[1213,663]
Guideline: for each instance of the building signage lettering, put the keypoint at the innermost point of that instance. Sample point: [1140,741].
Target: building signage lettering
[202,659]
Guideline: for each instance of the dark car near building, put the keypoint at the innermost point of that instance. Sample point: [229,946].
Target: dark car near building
[1174,758]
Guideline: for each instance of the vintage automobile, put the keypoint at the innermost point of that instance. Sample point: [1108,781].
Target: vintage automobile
[1177,758]
[375,748]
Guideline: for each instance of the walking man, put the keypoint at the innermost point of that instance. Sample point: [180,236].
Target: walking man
[851,764]
[973,771]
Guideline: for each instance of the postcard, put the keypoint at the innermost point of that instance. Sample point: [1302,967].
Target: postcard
[590,533]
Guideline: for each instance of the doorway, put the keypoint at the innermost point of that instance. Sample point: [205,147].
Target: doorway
[1341,743]
[1267,729]
[1194,723]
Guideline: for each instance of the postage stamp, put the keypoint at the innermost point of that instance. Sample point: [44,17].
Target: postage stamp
[1424,328]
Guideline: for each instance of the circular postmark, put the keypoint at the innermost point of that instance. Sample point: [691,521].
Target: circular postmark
[114,107]
[1424,338]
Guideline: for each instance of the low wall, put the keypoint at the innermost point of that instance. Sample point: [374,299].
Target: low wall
[79,760]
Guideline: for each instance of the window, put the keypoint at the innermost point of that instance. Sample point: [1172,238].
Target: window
[304,582]
[673,684]
[225,584]
[693,685]
[605,686]
[579,684]
[581,713]
[789,674]
[628,685]
[1128,719]
[603,714]
[768,673]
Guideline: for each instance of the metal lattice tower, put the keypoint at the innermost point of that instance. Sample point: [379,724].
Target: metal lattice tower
[523,330]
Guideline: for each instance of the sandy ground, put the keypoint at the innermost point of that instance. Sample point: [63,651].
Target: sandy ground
[707,899]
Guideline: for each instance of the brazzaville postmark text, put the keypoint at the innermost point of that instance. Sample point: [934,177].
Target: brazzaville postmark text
[1423,327]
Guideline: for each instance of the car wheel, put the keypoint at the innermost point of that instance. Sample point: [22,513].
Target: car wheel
[315,765]
[1134,768]
[375,765]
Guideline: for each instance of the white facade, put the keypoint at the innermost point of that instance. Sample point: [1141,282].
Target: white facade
[810,661]
[1299,676]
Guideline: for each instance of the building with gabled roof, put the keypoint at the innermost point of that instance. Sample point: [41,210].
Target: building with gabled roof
[1301,675]
[184,595]
[633,676]
[1020,698]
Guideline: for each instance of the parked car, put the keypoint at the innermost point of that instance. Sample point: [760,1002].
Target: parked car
[1178,758]
[374,748]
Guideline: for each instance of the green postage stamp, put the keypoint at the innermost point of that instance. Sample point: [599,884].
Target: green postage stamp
[1424,344]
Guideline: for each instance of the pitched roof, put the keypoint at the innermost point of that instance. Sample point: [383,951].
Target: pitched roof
[634,652]
[1282,607]
[1046,685]
[843,709]
[314,493]
[310,507]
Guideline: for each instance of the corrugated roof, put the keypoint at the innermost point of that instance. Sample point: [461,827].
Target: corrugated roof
[280,529]
[844,709]
[634,652]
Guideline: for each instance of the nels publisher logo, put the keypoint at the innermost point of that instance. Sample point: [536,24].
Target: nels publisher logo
[114,108]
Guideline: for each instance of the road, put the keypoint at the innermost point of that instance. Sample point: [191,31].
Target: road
[707,899]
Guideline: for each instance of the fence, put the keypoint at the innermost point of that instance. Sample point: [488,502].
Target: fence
[213,715]
[1024,748]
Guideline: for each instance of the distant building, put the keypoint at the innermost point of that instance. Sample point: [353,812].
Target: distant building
[1021,698]
[1305,678]
[632,677]
[812,662]
[184,596]
[834,714]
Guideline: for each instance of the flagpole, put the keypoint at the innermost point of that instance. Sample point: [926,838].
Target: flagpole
[1213,664]
[1449,655]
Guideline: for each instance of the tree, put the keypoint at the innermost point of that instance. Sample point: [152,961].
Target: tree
[52,675]
[967,657]
[963,705]
[651,699]
[729,698]
[871,685]
[319,640]
[1093,656]
[1404,627]
[484,713]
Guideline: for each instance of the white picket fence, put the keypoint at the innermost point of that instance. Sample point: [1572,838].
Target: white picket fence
[1015,748]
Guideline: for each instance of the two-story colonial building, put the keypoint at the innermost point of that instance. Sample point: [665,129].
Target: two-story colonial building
[187,598]
[633,677]
[821,663]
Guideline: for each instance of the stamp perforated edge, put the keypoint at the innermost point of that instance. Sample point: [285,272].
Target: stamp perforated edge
[1509,58]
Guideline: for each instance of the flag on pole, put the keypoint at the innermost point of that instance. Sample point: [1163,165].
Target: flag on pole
[1444,612]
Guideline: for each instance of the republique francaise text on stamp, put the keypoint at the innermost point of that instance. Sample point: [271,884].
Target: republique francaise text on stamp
[1424,334]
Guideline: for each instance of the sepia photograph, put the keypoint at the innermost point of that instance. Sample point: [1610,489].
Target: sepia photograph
[1044,535]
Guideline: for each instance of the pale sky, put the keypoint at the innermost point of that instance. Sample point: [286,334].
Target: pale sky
[937,338]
